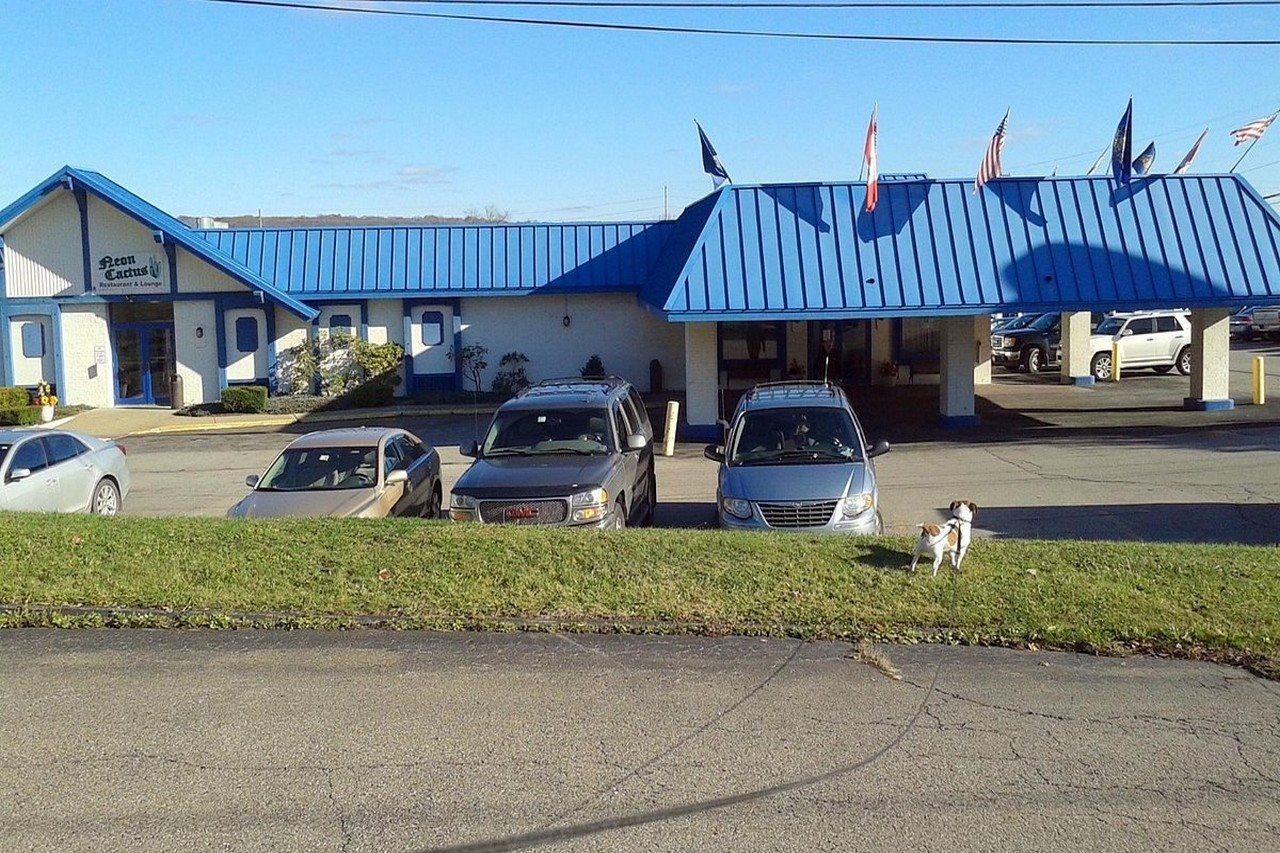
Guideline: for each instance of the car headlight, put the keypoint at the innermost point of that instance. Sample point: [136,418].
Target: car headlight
[855,505]
[736,507]
[591,497]
[457,501]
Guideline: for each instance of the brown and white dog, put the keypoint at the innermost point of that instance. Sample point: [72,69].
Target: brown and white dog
[949,538]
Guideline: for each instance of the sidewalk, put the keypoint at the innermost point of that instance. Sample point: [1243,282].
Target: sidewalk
[121,422]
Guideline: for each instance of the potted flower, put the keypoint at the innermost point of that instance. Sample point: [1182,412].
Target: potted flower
[46,400]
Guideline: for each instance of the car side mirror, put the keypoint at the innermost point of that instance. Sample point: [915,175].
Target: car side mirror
[396,477]
[1126,333]
[636,441]
[880,448]
[713,452]
[19,473]
[471,448]
[251,481]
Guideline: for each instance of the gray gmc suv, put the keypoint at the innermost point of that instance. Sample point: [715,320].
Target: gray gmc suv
[795,459]
[569,452]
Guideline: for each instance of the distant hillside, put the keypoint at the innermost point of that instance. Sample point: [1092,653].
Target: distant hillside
[327,220]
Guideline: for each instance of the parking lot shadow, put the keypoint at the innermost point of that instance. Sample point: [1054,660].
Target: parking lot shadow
[1240,523]
[684,514]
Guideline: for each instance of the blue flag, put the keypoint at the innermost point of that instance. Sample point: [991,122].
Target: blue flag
[1122,148]
[710,159]
[1142,163]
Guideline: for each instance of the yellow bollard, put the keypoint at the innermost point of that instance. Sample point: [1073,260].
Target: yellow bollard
[1259,380]
[1115,361]
[669,437]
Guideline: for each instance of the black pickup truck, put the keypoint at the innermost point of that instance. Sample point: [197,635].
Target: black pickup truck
[1033,347]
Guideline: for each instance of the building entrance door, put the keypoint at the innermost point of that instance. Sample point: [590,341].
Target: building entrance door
[145,363]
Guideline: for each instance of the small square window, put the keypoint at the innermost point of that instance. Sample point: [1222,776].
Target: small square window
[33,340]
[432,328]
[247,334]
[341,323]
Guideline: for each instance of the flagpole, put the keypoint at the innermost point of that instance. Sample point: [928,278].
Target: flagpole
[1249,147]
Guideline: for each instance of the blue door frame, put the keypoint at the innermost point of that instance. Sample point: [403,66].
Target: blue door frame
[147,394]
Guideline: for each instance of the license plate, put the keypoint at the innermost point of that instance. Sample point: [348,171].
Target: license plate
[517,513]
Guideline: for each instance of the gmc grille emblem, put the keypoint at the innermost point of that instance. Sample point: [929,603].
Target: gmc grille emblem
[516,512]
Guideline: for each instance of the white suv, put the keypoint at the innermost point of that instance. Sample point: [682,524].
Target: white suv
[1160,340]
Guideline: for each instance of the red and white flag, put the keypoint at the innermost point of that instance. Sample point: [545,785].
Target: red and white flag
[869,164]
[1253,130]
[991,167]
[1191,155]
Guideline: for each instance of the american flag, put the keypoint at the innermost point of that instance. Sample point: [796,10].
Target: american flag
[870,165]
[990,167]
[1253,130]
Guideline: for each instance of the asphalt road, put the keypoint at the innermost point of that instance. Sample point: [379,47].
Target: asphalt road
[370,740]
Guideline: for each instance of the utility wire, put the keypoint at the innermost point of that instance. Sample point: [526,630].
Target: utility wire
[777,34]
[842,4]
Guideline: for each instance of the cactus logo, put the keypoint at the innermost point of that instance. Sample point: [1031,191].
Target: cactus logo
[129,273]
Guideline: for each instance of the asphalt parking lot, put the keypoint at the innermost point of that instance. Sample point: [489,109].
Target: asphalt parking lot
[1116,462]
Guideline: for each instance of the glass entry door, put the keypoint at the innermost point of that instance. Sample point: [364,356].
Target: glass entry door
[145,363]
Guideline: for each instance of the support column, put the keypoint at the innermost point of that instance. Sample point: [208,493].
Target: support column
[959,363]
[1076,353]
[1210,361]
[982,337]
[701,381]
[881,350]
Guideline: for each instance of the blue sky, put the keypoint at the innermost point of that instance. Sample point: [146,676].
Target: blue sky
[211,109]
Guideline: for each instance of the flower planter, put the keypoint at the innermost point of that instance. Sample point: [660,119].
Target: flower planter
[46,414]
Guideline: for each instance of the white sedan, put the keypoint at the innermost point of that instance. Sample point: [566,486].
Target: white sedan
[58,471]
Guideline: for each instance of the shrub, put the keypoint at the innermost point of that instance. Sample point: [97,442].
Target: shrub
[245,398]
[20,415]
[14,398]
[511,378]
[594,368]
[472,361]
[377,392]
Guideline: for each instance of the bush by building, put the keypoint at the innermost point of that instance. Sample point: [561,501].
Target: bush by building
[249,399]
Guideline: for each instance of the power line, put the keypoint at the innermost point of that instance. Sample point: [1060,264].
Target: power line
[843,4]
[775,34]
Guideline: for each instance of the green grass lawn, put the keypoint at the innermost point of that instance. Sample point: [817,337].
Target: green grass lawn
[1192,600]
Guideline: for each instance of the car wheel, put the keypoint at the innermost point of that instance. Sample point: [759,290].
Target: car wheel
[653,500]
[1100,367]
[1184,361]
[1033,360]
[106,498]
[619,516]
[1163,369]
[432,509]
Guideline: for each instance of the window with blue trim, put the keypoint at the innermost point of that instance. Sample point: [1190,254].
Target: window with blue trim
[33,340]
[432,328]
[247,334]
[341,323]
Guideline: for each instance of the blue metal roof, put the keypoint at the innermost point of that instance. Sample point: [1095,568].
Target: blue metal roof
[448,260]
[935,247]
[154,218]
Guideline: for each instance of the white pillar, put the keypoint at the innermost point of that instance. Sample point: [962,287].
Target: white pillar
[982,337]
[1076,353]
[881,350]
[701,380]
[959,360]
[1210,360]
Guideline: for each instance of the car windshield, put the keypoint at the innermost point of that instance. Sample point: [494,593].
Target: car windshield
[322,469]
[1044,322]
[1109,326]
[526,432]
[1019,322]
[796,435]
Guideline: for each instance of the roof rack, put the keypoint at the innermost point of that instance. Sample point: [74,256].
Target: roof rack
[796,385]
[603,382]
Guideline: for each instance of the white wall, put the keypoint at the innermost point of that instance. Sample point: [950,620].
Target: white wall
[86,356]
[42,255]
[196,276]
[386,321]
[251,365]
[113,234]
[702,369]
[614,325]
[197,356]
